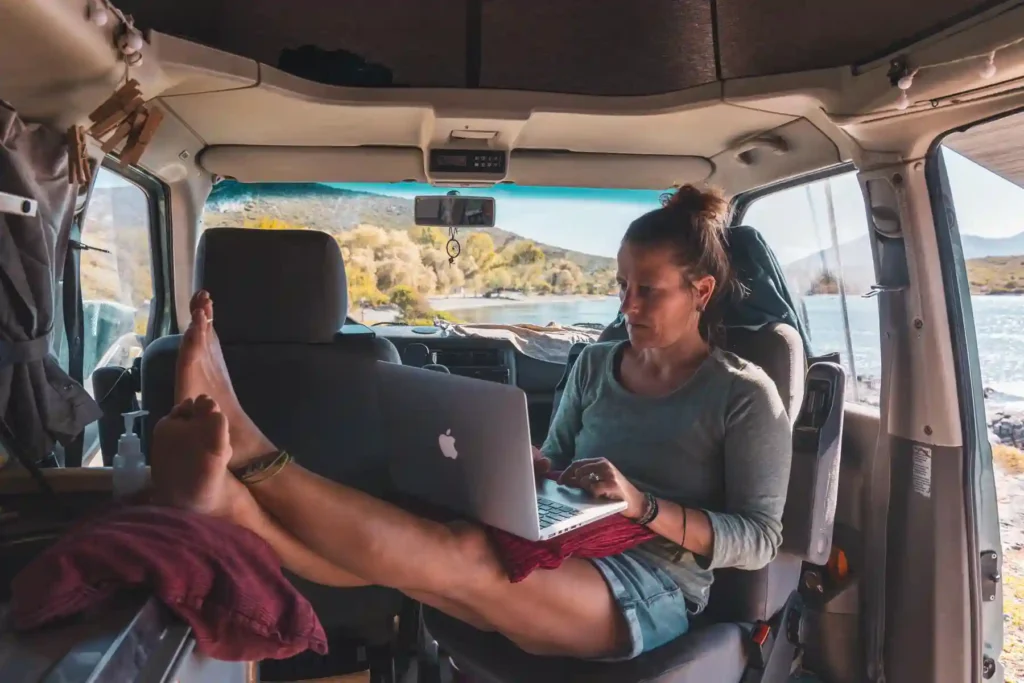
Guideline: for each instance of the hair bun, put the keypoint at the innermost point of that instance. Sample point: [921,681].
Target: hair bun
[709,204]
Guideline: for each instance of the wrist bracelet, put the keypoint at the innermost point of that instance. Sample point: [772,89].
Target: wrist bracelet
[650,510]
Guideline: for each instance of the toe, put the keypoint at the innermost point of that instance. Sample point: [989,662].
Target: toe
[201,301]
[185,409]
[205,405]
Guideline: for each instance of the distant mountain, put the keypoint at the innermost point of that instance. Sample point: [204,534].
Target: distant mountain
[859,271]
[857,267]
[333,210]
[983,247]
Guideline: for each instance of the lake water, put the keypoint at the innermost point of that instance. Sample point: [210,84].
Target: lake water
[999,321]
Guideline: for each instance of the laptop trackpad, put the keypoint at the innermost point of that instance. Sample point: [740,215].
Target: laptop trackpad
[574,497]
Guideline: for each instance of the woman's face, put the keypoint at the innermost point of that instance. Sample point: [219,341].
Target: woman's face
[661,308]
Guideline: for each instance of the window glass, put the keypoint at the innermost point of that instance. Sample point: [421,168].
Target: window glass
[117,276]
[550,258]
[819,232]
[117,283]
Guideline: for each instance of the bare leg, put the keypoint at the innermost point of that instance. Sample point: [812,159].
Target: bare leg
[568,611]
[190,449]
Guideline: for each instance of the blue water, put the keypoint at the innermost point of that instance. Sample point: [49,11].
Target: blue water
[999,324]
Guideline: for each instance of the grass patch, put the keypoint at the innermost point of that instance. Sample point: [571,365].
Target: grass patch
[1009,458]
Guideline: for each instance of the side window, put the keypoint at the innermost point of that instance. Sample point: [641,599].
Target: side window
[819,232]
[116,272]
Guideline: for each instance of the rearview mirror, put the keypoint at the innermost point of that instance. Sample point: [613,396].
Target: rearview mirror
[455,211]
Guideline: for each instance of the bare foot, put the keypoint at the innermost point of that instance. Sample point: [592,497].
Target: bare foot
[202,370]
[189,458]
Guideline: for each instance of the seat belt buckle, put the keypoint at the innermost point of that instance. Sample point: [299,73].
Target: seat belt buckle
[761,642]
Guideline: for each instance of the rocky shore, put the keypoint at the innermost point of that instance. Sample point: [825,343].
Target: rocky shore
[1007,428]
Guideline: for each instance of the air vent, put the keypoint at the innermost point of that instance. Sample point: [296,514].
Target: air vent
[464,358]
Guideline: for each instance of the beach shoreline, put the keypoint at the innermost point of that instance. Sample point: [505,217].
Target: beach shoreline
[455,303]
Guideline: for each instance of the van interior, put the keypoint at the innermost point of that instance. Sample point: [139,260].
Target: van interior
[279,116]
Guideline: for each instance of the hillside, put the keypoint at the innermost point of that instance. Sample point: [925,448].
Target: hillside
[334,210]
[993,265]
[996,275]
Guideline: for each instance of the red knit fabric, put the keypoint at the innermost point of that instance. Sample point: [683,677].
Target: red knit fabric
[609,536]
[225,581]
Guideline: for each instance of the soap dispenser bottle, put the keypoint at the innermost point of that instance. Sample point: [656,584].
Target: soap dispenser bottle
[130,473]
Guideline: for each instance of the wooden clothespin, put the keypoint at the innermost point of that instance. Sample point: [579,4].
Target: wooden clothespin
[126,117]
[120,106]
[79,170]
[140,136]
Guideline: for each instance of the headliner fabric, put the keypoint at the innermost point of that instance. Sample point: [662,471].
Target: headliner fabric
[594,47]
[39,402]
[273,286]
[781,36]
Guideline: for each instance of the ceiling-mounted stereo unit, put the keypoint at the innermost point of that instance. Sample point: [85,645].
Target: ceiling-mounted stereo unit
[467,165]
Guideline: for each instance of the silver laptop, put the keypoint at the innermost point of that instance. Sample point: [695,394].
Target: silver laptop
[464,444]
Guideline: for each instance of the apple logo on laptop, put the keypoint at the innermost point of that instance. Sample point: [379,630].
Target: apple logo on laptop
[447,443]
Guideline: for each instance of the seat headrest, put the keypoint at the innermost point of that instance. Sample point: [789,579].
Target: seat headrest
[273,286]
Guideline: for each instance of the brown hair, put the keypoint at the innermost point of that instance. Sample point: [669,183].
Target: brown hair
[691,223]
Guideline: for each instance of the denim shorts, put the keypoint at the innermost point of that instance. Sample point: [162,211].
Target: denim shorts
[654,606]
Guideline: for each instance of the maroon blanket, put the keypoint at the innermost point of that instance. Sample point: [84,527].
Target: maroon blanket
[225,581]
[610,536]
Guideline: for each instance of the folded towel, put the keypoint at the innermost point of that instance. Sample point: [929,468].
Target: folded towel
[609,536]
[222,579]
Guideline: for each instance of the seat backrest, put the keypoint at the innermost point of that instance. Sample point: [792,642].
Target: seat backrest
[574,353]
[778,350]
[807,521]
[280,310]
[302,374]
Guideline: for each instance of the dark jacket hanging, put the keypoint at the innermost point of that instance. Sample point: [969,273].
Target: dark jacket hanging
[39,402]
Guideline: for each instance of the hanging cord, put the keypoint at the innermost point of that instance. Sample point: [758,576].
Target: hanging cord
[902,76]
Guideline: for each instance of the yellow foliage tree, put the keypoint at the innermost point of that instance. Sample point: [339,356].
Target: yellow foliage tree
[269,223]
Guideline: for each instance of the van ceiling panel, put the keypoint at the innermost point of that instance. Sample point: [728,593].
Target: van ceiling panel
[781,36]
[597,47]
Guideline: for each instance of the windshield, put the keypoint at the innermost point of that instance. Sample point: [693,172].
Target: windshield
[549,259]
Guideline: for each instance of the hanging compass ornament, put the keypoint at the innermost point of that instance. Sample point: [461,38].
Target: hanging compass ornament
[452,246]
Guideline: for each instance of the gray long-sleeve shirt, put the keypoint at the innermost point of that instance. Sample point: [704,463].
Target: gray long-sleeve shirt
[721,443]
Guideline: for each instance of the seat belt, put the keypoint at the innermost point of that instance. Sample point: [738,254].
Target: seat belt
[877,528]
[74,328]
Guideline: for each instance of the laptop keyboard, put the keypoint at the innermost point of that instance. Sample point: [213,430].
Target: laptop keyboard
[552,513]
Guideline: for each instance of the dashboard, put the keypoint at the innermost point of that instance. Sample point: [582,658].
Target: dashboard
[495,360]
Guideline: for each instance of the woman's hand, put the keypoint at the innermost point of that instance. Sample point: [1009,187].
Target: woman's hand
[601,479]
[541,465]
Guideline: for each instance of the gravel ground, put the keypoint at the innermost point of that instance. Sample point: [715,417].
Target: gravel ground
[1010,488]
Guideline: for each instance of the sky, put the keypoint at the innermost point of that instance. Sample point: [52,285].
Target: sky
[592,221]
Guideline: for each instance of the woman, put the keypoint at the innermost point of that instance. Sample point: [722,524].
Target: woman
[695,440]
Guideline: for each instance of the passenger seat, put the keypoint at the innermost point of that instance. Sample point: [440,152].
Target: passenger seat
[305,376]
[750,631]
